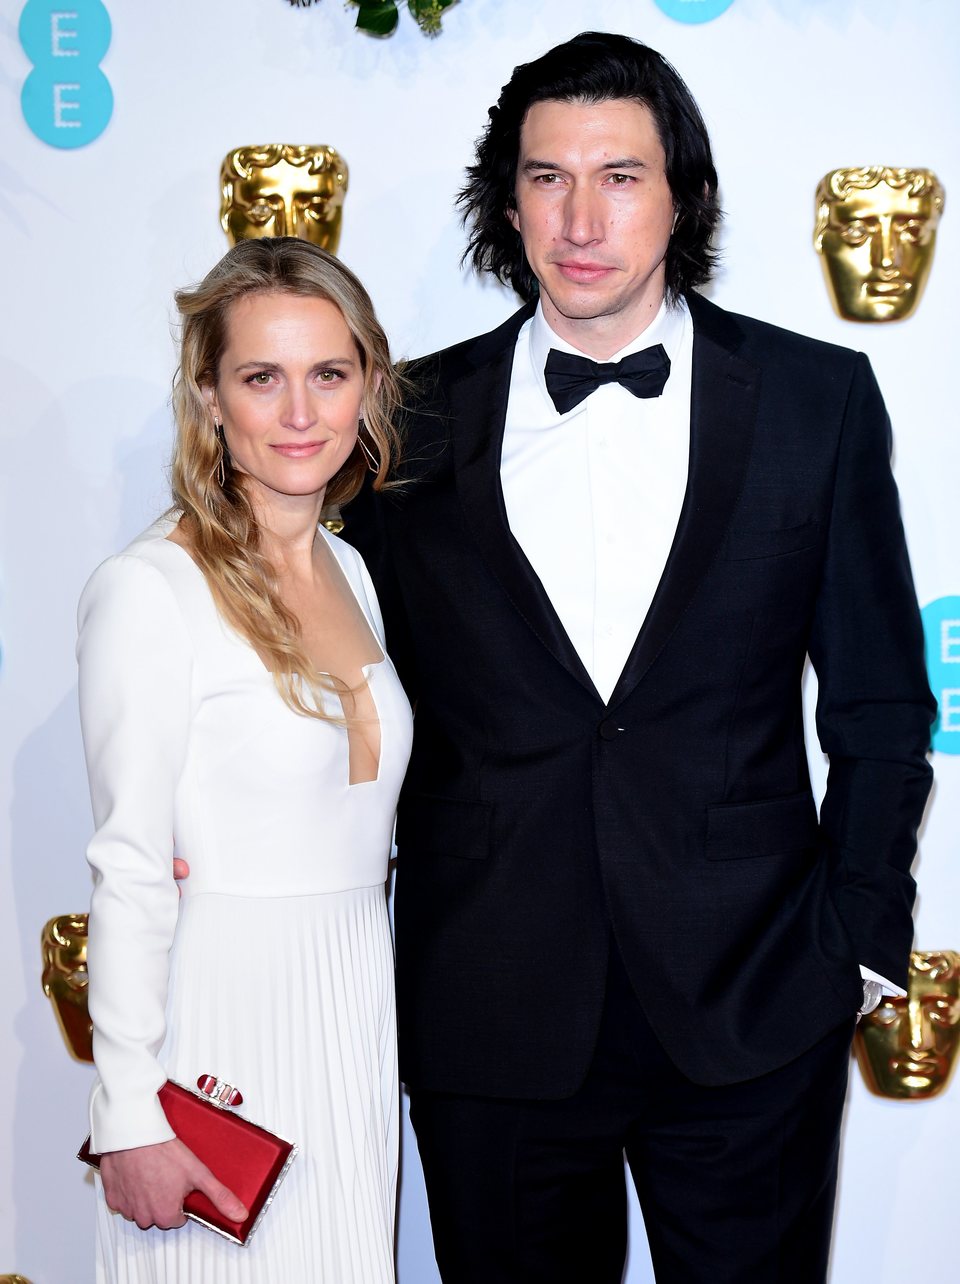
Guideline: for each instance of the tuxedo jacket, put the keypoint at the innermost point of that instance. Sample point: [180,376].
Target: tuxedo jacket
[540,827]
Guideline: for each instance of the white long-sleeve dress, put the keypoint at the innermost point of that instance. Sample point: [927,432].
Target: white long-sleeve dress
[275,970]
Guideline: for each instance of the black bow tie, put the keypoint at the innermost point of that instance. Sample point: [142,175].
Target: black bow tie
[570,378]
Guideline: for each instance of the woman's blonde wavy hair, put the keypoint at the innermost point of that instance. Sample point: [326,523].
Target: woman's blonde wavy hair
[218,518]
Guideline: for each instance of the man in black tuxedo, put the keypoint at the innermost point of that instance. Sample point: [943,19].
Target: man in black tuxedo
[629,517]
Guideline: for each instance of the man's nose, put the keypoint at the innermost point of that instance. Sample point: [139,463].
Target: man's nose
[583,221]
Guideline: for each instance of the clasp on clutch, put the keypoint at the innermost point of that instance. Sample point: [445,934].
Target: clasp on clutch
[220,1093]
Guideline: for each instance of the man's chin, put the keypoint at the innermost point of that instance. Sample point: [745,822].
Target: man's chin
[583,305]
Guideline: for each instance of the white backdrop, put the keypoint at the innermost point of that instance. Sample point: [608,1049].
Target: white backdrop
[96,239]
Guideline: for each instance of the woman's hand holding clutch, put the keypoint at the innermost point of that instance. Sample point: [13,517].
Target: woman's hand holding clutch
[148,1184]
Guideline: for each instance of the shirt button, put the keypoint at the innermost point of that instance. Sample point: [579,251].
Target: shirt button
[609,730]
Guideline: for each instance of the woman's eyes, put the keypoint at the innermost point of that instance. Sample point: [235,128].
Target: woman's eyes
[263,378]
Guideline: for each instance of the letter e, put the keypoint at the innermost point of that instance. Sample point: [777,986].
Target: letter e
[950,709]
[950,641]
[61,104]
[58,34]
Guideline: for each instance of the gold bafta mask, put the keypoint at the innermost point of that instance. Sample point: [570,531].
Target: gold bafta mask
[64,942]
[907,1047]
[282,190]
[14,1279]
[876,230]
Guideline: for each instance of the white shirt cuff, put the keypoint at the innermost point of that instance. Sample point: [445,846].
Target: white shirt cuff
[894,991]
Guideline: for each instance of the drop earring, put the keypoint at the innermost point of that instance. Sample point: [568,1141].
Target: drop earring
[221,467]
[373,463]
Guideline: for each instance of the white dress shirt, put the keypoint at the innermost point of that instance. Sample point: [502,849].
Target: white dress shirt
[593,497]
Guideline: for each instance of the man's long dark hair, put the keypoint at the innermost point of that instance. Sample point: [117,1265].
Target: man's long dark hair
[594,67]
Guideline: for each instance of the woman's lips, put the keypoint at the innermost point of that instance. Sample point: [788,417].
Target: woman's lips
[298,449]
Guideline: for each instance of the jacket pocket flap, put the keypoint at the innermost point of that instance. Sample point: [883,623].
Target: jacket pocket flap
[445,826]
[776,825]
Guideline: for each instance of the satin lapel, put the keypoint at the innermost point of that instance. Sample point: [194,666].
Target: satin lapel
[723,407]
[478,407]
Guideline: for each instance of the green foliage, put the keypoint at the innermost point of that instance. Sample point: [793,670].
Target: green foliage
[380,17]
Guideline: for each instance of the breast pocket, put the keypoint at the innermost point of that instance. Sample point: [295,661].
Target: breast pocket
[427,824]
[745,546]
[738,831]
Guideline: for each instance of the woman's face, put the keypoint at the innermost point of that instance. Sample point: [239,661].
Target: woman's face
[289,393]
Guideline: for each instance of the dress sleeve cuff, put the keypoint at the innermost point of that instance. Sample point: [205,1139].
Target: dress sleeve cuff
[123,1125]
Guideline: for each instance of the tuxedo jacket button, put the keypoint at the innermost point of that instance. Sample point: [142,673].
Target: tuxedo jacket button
[610,729]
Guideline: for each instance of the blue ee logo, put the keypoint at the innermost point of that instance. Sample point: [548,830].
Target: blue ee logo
[693,10]
[941,628]
[66,99]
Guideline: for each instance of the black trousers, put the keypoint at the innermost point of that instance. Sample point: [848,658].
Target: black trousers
[736,1184]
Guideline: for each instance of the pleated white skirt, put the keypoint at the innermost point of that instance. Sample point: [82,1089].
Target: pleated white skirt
[290,1000]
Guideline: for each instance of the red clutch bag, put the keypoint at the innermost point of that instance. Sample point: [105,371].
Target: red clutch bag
[248,1159]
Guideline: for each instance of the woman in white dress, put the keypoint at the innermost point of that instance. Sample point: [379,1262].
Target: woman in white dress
[238,708]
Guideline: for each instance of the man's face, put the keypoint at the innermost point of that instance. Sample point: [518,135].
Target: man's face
[595,213]
[907,1047]
[286,200]
[877,252]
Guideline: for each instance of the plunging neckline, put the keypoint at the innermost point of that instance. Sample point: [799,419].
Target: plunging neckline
[367,670]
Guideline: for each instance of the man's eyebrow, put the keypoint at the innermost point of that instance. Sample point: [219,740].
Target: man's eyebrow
[623,162]
[532,164]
